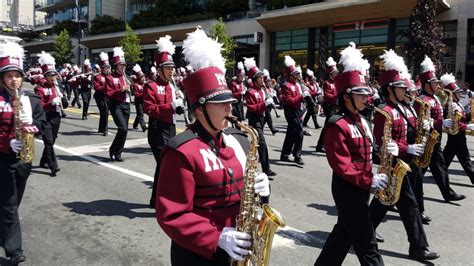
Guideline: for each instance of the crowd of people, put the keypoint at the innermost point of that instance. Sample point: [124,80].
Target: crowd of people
[197,195]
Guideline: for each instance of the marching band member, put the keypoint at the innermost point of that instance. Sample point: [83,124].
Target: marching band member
[238,90]
[138,83]
[208,159]
[257,102]
[14,172]
[74,84]
[51,103]
[117,91]
[269,93]
[86,86]
[161,105]
[99,94]
[330,98]
[292,98]
[348,141]
[457,144]
[314,91]
[394,81]
[430,85]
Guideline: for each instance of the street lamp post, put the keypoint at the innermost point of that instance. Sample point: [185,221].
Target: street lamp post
[78,33]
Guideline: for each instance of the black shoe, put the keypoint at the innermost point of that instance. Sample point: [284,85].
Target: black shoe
[307,132]
[111,156]
[275,131]
[270,173]
[17,259]
[393,208]
[118,158]
[318,127]
[44,165]
[423,254]
[104,133]
[299,161]
[285,158]
[54,171]
[79,106]
[320,149]
[379,238]
[84,118]
[144,128]
[455,197]
[135,127]
[425,219]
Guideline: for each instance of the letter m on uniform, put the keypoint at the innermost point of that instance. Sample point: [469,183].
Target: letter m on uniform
[211,162]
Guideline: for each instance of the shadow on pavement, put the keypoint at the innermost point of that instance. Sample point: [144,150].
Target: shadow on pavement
[315,239]
[330,210]
[110,208]
[441,201]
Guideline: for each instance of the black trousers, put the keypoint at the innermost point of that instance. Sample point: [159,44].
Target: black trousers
[268,119]
[139,109]
[409,213]
[68,90]
[86,98]
[50,133]
[313,115]
[120,113]
[457,145]
[183,257]
[238,110]
[159,133]
[258,123]
[328,111]
[75,90]
[12,186]
[101,102]
[293,142]
[354,227]
[440,172]
[416,182]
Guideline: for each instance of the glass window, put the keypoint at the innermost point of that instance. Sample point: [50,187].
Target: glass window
[372,32]
[283,34]
[98,7]
[292,39]
[373,39]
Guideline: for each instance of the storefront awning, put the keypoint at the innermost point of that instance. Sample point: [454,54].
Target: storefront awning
[328,13]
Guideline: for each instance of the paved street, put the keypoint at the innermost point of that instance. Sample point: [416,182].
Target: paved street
[96,212]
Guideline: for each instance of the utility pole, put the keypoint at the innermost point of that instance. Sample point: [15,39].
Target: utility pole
[79,33]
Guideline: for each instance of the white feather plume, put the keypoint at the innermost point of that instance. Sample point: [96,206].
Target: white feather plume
[46,59]
[97,66]
[12,49]
[405,75]
[165,45]
[104,56]
[240,65]
[182,69]
[352,60]
[87,62]
[118,51]
[249,63]
[289,61]
[266,73]
[330,62]
[447,79]
[309,72]
[189,68]
[427,65]
[137,68]
[298,68]
[153,69]
[202,52]
[392,61]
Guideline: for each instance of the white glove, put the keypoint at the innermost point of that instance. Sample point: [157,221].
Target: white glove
[426,125]
[379,181]
[268,101]
[177,103]
[447,123]
[179,94]
[16,145]
[25,119]
[416,149]
[234,243]
[306,94]
[56,101]
[262,185]
[470,127]
[392,148]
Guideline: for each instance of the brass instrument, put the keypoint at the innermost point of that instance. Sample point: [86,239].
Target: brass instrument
[422,135]
[27,153]
[390,195]
[453,115]
[272,106]
[262,230]
[309,100]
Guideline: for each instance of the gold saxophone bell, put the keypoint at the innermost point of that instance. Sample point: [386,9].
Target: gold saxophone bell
[27,153]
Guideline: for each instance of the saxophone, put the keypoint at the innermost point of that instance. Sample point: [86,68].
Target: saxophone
[453,115]
[390,195]
[422,135]
[262,230]
[27,153]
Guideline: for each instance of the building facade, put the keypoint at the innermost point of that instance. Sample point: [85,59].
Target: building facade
[309,33]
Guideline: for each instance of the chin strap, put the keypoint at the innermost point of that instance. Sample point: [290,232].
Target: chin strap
[353,103]
[208,119]
[394,94]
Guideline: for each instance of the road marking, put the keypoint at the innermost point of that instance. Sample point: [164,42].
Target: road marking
[98,162]
[102,147]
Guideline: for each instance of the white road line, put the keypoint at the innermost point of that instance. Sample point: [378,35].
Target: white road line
[98,162]
[102,147]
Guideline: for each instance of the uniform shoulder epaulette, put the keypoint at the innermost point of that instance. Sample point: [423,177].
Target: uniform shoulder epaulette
[381,106]
[181,138]
[241,137]
[334,118]
[234,131]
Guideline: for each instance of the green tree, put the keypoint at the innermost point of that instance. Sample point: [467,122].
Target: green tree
[220,8]
[218,32]
[106,24]
[131,46]
[425,36]
[69,25]
[62,48]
